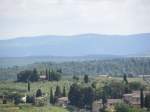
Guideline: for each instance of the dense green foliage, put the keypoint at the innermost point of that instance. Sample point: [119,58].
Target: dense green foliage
[64,94]
[114,89]
[58,93]
[81,96]
[121,107]
[27,75]
[147,101]
[130,66]
[38,93]
[125,79]
[29,86]
[30,99]
[54,76]
[86,78]
[51,96]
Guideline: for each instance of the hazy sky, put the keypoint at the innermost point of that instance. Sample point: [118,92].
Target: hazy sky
[68,17]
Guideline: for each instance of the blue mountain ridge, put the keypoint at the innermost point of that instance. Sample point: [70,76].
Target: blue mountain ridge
[76,45]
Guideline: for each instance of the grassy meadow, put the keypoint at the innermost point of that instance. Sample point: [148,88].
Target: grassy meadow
[30,108]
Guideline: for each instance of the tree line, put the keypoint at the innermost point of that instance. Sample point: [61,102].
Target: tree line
[114,67]
[34,75]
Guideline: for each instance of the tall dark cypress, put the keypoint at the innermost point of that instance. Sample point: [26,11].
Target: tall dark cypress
[46,73]
[86,78]
[49,75]
[57,92]
[28,86]
[125,78]
[64,92]
[51,96]
[141,98]
[104,99]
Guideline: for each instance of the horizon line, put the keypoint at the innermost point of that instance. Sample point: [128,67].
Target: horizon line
[71,35]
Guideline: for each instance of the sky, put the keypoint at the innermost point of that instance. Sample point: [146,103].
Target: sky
[20,18]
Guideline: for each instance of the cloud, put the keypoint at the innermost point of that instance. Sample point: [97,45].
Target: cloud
[67,17]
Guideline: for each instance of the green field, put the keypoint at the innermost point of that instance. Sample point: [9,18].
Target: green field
[30,108]
[10,87]
[45,86]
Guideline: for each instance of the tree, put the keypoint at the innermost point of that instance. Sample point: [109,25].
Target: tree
[34,76]
[38,93]
[125,78]
[86,78]
[127,89]
[47,75]
[81,96]
[30,99]
[27,75]
[104,100]
[94,84]
[17,100]
[54,76]
[88,96]
[51,96]
[75,95]
[114,89]
[135,85]
[59,70]
[141,98]
[28,86]
[58,92]
[75,78]
[4,100]
[64,92]
[147,101]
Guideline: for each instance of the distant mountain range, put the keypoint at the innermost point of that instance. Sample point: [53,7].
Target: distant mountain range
[77,45]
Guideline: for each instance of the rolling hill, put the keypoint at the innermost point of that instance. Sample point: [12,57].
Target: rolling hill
[77,45]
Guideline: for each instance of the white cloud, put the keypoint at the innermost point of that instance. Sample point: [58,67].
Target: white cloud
[66,17]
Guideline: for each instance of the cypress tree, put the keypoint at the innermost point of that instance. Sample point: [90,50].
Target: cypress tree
[64,92]
[51,96]
[125,78]
[46,73]
[75,78]
[141,98]
[104,99]
[86,78]
[28,86]
[49,75]
[57,92]
[38,93]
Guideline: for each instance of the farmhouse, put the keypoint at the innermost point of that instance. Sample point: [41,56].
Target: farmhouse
[42,77]
[134,98]
[63,101]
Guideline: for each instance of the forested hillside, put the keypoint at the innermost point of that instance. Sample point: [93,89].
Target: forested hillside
[119,66]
